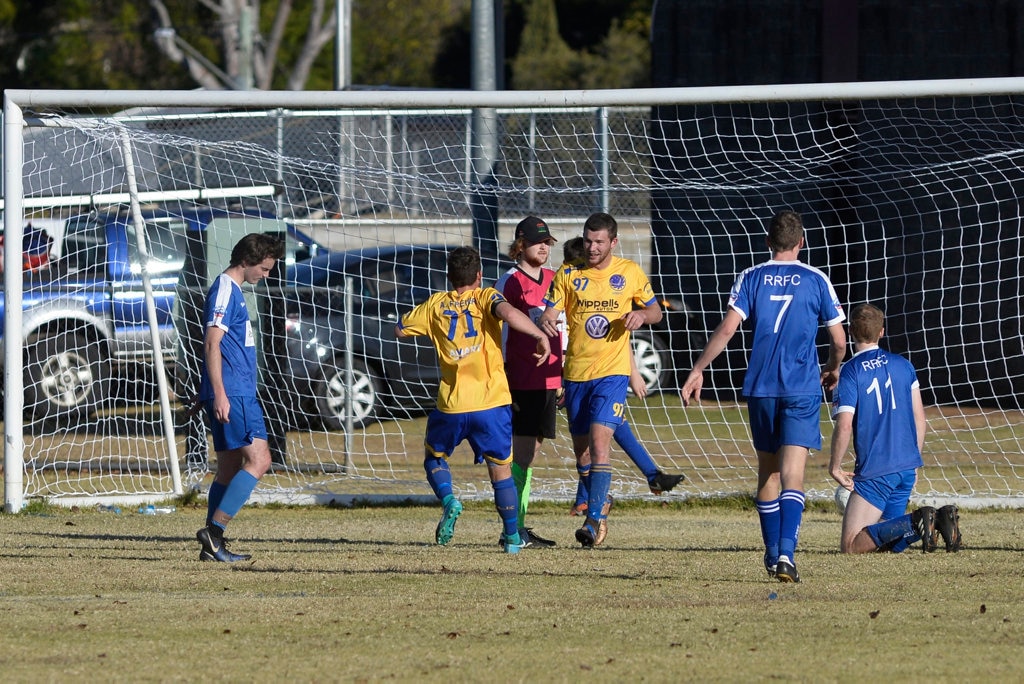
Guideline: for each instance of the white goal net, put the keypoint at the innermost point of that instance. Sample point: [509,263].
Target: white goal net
[127,204]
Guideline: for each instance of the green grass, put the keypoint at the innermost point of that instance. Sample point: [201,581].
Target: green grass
[678,593]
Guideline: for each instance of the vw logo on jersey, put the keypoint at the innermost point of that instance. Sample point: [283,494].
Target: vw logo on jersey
[617,282]
[597,327]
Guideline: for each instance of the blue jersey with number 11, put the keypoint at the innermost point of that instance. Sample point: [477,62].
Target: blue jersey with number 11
[877,387]
[785,302]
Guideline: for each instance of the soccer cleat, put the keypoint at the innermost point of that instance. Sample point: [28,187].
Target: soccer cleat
[534,538]
[226,556]
[514,543]
[216,549]
[526,540]
[585,535]
[578,509]
[947,524]
[663,482]
[785,571]
[446,527]
[602,525]
[770,565]
[923,520]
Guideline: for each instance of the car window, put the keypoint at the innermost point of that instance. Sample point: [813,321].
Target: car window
[84,247]
[387,281]
[408,278]
[165,242]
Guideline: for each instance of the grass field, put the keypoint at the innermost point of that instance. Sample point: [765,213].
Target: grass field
[677,594]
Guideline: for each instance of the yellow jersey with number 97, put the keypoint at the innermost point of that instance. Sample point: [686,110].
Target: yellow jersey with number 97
[467,335]
[594,302]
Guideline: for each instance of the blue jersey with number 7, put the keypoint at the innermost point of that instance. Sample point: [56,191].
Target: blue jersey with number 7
[784,303]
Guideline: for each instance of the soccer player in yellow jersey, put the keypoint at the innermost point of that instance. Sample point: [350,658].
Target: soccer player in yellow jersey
[473,401]
[598,300]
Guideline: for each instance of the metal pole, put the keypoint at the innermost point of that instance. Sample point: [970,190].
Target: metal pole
[603,164]
[14,401]
[484,198]
[147,286]
[245,31]
[343,46]
[349,379]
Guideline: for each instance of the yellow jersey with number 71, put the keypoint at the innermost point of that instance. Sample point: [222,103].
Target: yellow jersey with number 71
[467,335]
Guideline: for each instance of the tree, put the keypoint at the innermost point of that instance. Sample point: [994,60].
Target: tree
[248,58]
[546,61]
[397,42]
[78,44]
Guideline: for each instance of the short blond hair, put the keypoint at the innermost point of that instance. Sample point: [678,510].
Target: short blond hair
[866,323]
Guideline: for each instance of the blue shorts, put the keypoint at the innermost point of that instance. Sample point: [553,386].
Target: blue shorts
[888,493]
[245,424]
[489,433]
[785,421]
[601,401]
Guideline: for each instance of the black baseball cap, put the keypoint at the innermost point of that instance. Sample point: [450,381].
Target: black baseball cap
[534,230]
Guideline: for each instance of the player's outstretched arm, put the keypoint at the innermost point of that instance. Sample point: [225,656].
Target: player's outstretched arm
[548,321]
[919,419]
[841,435]
[836,353]
[520,322]
[716,344]
[649,315]
[636,381]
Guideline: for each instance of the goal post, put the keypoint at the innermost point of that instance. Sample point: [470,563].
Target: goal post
[908,190]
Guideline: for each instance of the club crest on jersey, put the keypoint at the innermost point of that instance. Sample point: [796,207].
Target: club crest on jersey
[597,327]
[617,282]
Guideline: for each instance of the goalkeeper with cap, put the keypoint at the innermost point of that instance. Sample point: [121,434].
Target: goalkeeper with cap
[598,300]
[535,389]
[784,300]
[878,404]
[228,391]
[473,400]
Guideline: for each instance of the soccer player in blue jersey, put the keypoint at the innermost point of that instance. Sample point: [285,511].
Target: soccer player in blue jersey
[473,401]
[228,391]
[878,404]
[785,301]
[598,300]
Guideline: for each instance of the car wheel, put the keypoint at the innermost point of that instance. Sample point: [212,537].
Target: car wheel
[652,359]
[63,377]
[331,394]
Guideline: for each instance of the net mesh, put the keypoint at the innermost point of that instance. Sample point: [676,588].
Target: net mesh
[910,204]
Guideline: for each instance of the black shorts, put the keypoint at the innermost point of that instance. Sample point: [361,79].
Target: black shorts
[533,413]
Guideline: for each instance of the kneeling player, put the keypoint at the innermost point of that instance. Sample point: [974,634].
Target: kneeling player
[878,403]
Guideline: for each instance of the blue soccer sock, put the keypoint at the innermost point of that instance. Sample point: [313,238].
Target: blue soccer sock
[893,535]
[791,510]
[771,523]
[626,439]
[439,477]
[213,499]
[600,483]
[236,494]
[506,501]
[583,484]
